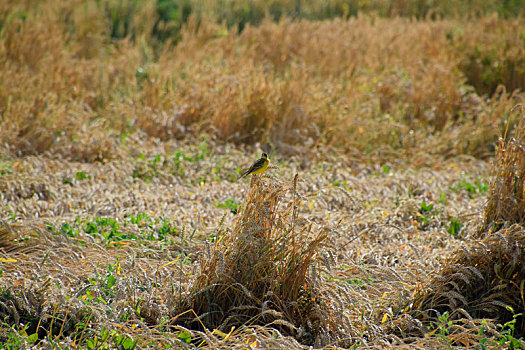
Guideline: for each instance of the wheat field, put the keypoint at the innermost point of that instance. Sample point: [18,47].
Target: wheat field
[391,216]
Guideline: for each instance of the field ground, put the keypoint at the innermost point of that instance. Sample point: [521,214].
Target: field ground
[391,216]
[112,245]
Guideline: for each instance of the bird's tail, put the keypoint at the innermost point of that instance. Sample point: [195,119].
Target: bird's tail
[240,177]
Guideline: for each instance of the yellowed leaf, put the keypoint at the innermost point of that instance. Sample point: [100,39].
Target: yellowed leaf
[171,262]
[219,333]
[231,331]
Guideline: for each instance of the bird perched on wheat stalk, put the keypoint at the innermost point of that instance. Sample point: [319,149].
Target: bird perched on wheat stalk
[258,167]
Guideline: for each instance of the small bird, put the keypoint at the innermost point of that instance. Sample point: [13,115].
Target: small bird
[258,167]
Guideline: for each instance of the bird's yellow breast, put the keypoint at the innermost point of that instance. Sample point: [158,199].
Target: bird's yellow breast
[262,169]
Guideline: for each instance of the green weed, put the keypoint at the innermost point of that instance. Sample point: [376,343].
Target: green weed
[181,157]
[123,341]
[80,175]
[476,188]
[69,230]
[172,15]
[147,169]
[231,204]
[506,334]
[443,328]
[359,282]
[111,230]
[184,336]
[17,337]
[102,287]
[6,168]
[454,227]
[107,339]
[424,214]
[505,339]
[481,331]
[339,183]
[176,163]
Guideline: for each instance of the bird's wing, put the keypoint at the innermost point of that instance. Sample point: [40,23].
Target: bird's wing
[258,164]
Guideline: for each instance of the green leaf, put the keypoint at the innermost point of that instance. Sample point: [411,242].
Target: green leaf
[455,226]
[104,334]
[184,336]
[425,208]
[111,281]
[32,338]
[81,175]
[128,343]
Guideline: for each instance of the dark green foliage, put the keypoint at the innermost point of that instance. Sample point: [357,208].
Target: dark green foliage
[172,14]
[121,18]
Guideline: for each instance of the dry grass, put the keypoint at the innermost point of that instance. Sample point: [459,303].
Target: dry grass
[506,203]
[486,279]
[377,252]
[336,82]
[118,221]
[260,270]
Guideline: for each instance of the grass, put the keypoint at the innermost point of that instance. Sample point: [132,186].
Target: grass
[264,260]
[140,228]
[484,280]
[391,217]
[236,88]
[347,286]
[506,200]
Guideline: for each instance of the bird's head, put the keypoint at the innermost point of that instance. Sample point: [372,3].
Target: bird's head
[264,155]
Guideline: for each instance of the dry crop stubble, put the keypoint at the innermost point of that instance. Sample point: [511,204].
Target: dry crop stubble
[348,102]
[377,255]
[484,279]
[506,202]
[262,270]
[382,85]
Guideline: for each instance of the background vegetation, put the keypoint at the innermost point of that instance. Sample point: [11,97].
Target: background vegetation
[79,77]
[124,123]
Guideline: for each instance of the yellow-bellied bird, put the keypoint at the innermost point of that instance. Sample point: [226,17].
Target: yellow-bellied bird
[258,167]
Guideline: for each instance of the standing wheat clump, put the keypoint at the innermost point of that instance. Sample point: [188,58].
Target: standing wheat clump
[506,203]
[258,271]
[485,279]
